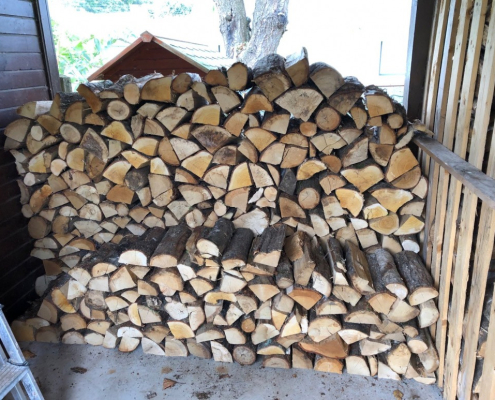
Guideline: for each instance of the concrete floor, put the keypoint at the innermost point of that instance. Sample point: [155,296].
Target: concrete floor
[114,375]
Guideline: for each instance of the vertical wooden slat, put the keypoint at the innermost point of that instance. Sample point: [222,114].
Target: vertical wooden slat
[436,63]
[436,58]
[487,390]
[442,217]
[448,132]
[422,156]
[480,266]
[431,55]
[464,244]
[439,121]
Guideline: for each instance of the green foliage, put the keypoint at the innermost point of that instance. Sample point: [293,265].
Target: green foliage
[106,6]
[156,9]
[78,57]
[81,54]
[169,8]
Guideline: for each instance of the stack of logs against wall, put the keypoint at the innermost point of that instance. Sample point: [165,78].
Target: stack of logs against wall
[272,212]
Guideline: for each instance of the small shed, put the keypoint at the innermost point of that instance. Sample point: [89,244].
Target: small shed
[150,53]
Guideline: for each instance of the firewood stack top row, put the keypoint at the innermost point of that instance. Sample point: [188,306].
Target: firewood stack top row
[273,211]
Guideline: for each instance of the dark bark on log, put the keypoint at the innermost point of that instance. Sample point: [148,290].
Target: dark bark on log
[333,252]
[355,152]
[362,313]
[218,238]
[352,332]
[138,250]
[136,179]
[384,268]
[288,182]
[285,273]
[322,276]
[170,249]
[237,250]
[270,76]
[267,248]
[357,269]
[304,266]
[347,95]
[417,278]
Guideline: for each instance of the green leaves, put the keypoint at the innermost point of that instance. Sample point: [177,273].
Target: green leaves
[78,56]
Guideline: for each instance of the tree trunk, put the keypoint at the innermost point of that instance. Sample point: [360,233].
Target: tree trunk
[269,23]
[234,25]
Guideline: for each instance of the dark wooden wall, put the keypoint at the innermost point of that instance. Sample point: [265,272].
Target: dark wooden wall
[28,71]
[420,31]
[147,58]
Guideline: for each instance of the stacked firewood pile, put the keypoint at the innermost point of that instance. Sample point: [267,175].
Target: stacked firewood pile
[272,212]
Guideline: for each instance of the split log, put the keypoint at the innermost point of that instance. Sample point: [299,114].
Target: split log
[170,249]
[355,363]
[417,278]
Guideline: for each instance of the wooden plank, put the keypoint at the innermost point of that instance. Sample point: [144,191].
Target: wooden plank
[447,129]
[19,44]
[8,171]
[477,290]
[139,63]
[19,255]
[454,197]
[8,209]
[487,390]
[20,61]
[19,8]
[436,62]
[470,201]
[22,79]
[423,158]
[17,220]
[431,54]
[21,235]
[450,119]
[420,29]
[16,25]
[15,98]
[25,284]
[470,176]
[7,115]
[48,47]
[432,169]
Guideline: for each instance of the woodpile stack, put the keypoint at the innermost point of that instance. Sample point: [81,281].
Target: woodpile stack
[273,211]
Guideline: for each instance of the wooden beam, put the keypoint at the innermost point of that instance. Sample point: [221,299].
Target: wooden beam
[48,48]
[470,176]
[420,29]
